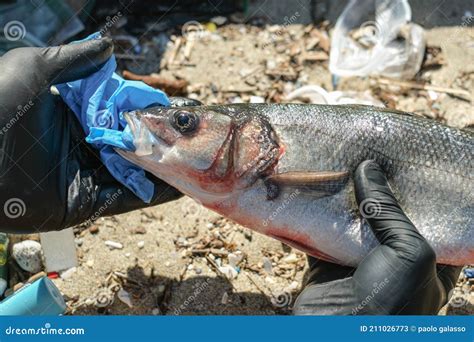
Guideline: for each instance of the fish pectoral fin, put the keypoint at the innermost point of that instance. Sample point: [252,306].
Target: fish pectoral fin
[317,183]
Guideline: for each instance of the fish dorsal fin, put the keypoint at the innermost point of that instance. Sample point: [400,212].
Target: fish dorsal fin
[318,183]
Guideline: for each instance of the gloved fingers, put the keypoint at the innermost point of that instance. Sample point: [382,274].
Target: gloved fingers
[389,223]
[448,275]
[70,62]
[321,271]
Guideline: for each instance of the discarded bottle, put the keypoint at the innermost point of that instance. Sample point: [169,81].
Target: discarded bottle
[40,298]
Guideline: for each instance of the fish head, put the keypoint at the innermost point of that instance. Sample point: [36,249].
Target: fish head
[202,149]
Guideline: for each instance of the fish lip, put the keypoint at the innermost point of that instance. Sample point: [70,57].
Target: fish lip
[133,119]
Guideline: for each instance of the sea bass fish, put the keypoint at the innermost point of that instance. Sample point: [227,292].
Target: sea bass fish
[286,170]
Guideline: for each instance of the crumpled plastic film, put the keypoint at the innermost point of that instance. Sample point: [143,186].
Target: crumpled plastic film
[99,102]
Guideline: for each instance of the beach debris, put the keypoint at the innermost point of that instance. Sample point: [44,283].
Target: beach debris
[125,297]
[67,273]
[113,245]
[229,271]
[170,87]
[59,250]
[469,273]
[377,38]
[28,255]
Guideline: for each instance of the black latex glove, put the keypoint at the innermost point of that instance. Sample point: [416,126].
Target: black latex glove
[400,276]
[50,178]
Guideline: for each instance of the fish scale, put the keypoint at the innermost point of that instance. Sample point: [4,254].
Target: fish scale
[428,165]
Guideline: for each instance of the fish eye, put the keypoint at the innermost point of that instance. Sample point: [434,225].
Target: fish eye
[185,122]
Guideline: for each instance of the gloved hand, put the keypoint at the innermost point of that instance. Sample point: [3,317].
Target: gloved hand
[50,178]
[400,276]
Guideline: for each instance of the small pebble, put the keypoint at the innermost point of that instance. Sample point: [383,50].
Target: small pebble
[167,264]
[79,242]
[93,229]
[90,263]
[267,265]
[127,255]
[291,258]
[113,244]
[139,230]
[198,270]
[156,312]
[28,255]
[141,244]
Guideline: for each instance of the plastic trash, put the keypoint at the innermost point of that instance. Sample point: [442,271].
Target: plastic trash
[99,101]
[375,37]
[40,298]
[317,95]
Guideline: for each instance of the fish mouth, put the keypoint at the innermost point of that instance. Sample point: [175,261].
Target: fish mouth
[144,140]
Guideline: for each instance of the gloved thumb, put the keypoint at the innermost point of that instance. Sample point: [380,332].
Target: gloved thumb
[382,211]
[70,62]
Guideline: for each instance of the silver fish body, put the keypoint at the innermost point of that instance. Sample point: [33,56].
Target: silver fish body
[429,167]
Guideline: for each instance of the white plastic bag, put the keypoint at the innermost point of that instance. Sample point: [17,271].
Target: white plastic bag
[375,37]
